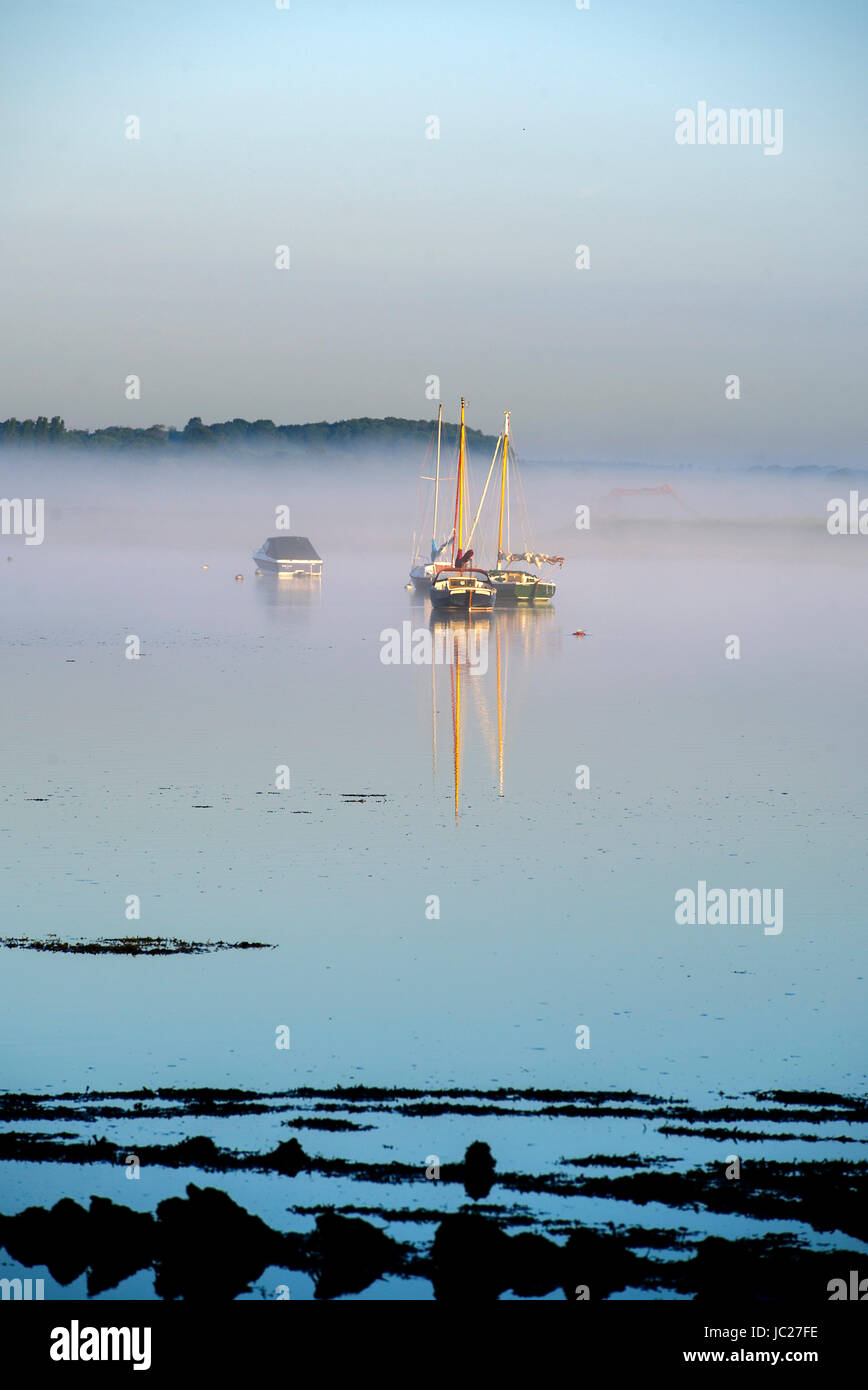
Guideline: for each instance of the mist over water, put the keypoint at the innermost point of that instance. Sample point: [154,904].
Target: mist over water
[556,903]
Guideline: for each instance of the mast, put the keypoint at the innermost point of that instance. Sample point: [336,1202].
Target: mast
[503,482]
[459,490]
[461,447]
[437,469]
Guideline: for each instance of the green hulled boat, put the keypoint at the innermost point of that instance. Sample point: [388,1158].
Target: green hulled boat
[517,586]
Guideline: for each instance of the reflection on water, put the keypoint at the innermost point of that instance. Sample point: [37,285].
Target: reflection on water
[156,778]
[282,591]
[469,646]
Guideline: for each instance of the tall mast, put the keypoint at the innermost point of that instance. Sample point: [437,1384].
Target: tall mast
[461,477]
[503,482]
[437,469]
[459,505]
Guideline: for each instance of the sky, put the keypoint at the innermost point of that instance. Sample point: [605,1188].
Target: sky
[455,257]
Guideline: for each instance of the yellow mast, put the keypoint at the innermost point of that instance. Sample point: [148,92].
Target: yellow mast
[461,477]
[503,478]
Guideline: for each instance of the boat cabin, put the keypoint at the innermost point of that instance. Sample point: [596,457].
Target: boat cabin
[289,555]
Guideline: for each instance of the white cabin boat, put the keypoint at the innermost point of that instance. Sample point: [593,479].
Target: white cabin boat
[290,555]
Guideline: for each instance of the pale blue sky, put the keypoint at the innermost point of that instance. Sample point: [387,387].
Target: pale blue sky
[453,257]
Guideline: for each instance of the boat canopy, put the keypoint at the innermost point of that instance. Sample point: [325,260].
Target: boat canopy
[290,548]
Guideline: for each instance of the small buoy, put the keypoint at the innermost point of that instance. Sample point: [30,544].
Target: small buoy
[239,577]
[578,634]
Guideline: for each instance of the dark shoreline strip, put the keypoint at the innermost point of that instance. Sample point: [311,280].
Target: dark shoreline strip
[131,946]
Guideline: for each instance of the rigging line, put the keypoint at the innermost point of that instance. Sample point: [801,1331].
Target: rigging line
[420,509]
[437,479]
[528,538]
[484,491]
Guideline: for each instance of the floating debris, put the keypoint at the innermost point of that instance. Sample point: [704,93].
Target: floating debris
[132,946]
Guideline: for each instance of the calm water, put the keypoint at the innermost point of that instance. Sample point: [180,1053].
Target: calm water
[556,904]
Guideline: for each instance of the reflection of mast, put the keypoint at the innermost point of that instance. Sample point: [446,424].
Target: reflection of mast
[434,723]
[456,722]
[499,715]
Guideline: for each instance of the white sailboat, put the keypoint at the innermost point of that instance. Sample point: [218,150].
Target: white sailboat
[423,572]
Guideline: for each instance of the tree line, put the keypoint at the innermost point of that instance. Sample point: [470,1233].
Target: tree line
[389,433]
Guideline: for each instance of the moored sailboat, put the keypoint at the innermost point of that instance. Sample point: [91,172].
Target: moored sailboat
[461,586]
[422,573]
[514,585]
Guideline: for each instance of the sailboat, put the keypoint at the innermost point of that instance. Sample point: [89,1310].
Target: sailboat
[422,573]
[517,585]
[460,586]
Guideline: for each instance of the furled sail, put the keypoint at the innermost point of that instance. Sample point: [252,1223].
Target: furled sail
[531,557]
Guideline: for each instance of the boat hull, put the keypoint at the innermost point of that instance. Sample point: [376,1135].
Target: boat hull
[423,575]
[464,603]
[463,591]
[526,591]
[306,569]
[289,568]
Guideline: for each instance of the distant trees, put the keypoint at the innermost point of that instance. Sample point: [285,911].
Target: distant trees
[388,434]
[197,433]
